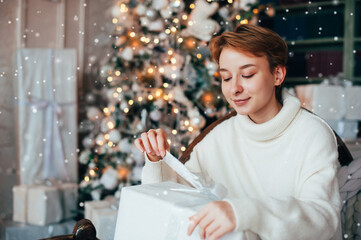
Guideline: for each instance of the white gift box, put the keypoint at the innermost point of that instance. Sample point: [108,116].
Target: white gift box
[44,205]
[353,103]
[69,197]
[160,211]
[46,114]
[103,216]
[40,205]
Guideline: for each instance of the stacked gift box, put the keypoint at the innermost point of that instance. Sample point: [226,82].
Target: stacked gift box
[103,215]
[339,106]
[46,120]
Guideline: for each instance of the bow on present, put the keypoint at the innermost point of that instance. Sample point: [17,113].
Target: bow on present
[213,191]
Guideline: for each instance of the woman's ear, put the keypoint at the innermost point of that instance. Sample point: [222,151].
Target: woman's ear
[280,74]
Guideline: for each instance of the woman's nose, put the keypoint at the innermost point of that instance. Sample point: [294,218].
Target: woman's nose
[237,86]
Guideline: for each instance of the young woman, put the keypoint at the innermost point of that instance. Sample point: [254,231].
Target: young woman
[277,160]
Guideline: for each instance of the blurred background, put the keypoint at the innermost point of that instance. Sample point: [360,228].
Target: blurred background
[81,79]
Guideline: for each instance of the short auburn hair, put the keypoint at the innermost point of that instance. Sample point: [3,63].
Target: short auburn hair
[256,40]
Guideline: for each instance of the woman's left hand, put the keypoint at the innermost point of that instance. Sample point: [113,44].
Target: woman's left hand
[214,220]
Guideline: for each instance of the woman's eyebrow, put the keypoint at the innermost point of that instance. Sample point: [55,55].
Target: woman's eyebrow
[241,67]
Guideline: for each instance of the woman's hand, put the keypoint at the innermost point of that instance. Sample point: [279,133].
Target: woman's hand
[214,220]
[154,142]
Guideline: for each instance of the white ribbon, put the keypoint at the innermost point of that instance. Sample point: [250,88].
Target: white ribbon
[213,191]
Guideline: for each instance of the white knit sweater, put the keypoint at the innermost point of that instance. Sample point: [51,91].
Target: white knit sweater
[280,175]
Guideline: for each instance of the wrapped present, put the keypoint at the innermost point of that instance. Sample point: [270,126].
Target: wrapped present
[41,205]
[103,215]
[353,103]
[161,210]
[46,114]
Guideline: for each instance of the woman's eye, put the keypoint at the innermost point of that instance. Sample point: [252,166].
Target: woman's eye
[226,79]
[247,76]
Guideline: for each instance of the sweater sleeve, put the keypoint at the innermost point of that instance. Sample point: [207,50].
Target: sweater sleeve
[312,213]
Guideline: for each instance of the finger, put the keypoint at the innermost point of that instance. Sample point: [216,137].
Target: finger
[211,228]
[203,226]
[152,136]
[217,234]
[195,219]
[162,142]
[139,145]
[146,142]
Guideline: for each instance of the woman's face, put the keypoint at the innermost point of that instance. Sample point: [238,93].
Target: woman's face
[248,85]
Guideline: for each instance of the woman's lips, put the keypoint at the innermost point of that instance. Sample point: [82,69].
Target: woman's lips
[240,102]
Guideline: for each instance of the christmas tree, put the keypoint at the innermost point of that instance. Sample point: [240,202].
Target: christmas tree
[160,75]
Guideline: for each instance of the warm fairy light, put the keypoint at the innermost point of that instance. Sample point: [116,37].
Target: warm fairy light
[238,17]
[165,85]
[117,73]
[130,102]
[132,34]
[175,110]
[170,51]
[190,129]
[199,56]
[106,110]
[186,123]
[170,95]
[255,11]
[106,136]
[173,60]
[176,20]
[119,90]
[110,144]
[142,39]
[191,6]
[161,70]
[86,179]
[115,95]
[173,75]
[158,93]
[167,31]
[150,97]
[244,21]
[180,40]
[147,40]
[115,20]
[123,8]
[92,172]
[209,0]
[110,125]
[126,110]
[183,149]
[110,78]
[100,142]
[230,1]
[140,99]
[150,70]
[184,17]
[156,41]
[190,23]
[173,29]
[166,97]
[174,132]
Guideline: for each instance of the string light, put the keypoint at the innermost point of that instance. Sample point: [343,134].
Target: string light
[140,99]
[183,149]
[110,144]
[173,60]
[115,20]
[238,17]
[170,51]
[161,70]
[132,34]
[150,97]
[173,29]
[165,85]
[156,41]
[126,110]
[190,129]
[119,90]
[176,20]
[230,1]
[115,95]
[174,132]
[186,123]
[180,40]
[166,98]
[191,6]
[244,21]
[92,173]
[110,125]
[199,56]
[184,17]
[110,79]
[175,110]
[255,11]
[130,102]
[167,31]
[106,111]
[106,136]
[158,93]
[86,179]
[150,70]
[117,73]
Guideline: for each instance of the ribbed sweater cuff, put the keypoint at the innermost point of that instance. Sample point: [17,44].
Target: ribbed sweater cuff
[244,210]
[152,171]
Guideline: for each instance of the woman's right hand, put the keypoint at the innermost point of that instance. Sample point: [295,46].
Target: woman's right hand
[154,143]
